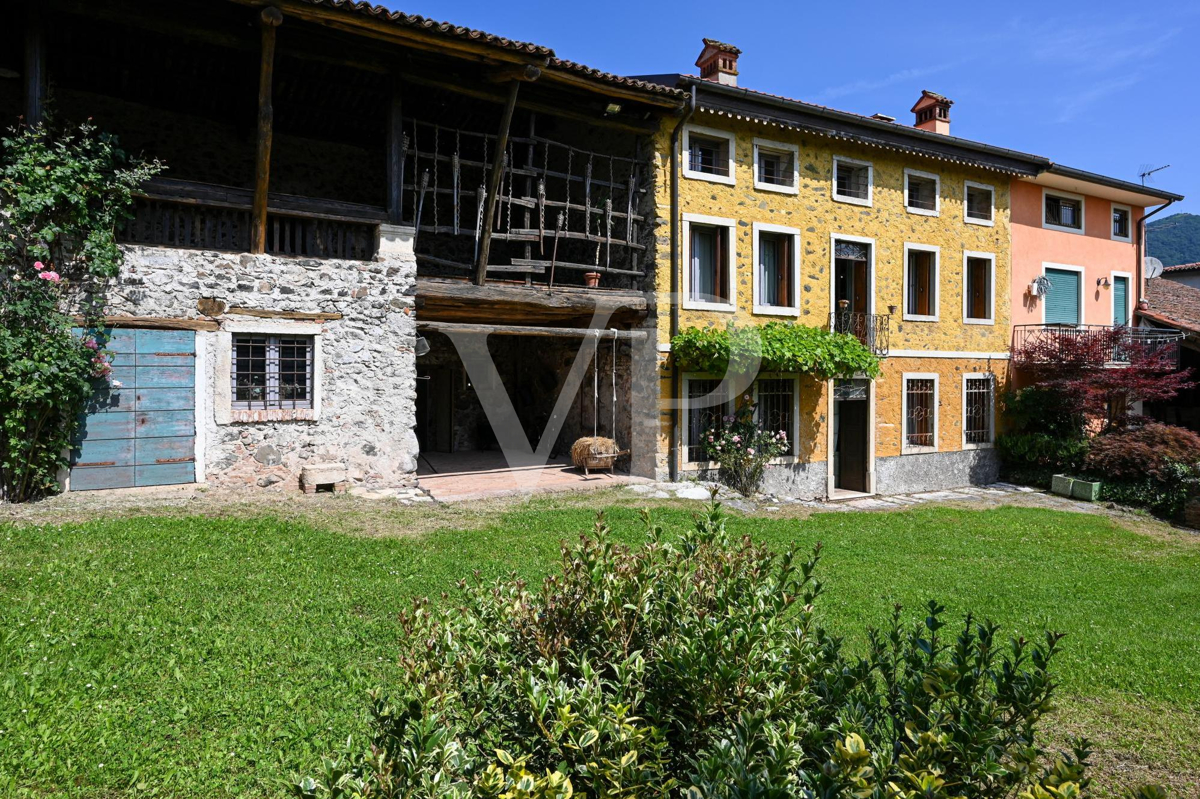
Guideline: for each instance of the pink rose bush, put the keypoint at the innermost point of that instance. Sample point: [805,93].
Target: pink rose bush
[742,448]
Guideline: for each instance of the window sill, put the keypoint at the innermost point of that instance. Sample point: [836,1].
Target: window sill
[1062,229]
[865,202]
[923,211]
[991,322]
[1123,239]
[242,415]
[916,318]
[776,310]
[728,180]
[907,450]
[776,188]
[983,222]
[988,445]
[699,305]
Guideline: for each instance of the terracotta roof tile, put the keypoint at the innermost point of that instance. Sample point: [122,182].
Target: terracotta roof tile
[1182,267]
[1173,303]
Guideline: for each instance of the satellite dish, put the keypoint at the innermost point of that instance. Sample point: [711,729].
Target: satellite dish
[1151,266]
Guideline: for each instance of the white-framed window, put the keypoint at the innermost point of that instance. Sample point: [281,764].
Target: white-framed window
[776,269]
[979,288]
[1122,223]
[710,259]
[268,371]
[708,154]
[704,410]
[979,410]
[776,166]
[1063,211]
[979,203]
[777,397]
[920,413]
[853,181]
[922,192]
[921,268]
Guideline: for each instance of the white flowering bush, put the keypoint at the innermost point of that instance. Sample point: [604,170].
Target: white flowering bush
[743,448]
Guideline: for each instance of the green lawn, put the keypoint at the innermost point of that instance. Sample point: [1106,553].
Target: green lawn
[207,656]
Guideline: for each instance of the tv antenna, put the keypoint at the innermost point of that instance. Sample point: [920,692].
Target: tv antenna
[1147,171]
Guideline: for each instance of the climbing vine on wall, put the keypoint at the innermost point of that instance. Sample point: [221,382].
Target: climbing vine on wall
[62,198]
[776,347]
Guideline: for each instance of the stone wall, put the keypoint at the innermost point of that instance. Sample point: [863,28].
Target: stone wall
[365,372]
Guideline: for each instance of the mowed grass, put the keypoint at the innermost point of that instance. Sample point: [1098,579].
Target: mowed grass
[211,657]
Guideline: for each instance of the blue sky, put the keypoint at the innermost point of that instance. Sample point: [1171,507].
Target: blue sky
[1107,87]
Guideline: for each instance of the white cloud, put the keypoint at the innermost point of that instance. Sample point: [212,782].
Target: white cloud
[860,86]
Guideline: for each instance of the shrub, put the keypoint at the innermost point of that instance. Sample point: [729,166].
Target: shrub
[776,347]
[1156,466]
[743,449]
[697,667]
[63,197]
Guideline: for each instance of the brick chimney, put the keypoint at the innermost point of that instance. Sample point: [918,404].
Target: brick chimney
[718,62]
[933,113]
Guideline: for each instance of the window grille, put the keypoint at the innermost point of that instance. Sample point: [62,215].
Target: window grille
[918,424]
[977,414]
[710,156]
[272,372]
[922,288]
[1120,223]
[1063,212]
[775,269]
[979,203]
[979,288]
[776,403]
[775,168]
[852,180]
[922,193]
[701,418]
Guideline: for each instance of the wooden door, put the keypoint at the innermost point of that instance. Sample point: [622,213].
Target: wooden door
[851,445]
[142,433]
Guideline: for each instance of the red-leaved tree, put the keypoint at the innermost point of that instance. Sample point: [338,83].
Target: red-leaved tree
[1103,372]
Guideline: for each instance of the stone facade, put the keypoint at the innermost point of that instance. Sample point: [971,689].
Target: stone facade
[364,370]
[947,345]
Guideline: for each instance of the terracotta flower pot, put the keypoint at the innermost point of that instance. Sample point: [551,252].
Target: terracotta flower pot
[591,279]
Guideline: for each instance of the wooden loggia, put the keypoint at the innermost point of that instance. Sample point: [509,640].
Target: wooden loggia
[448,300]
[271,18]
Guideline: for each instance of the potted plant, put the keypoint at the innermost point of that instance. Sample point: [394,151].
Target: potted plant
[591,279]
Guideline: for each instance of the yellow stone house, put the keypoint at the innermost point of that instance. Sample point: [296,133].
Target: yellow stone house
[773,209]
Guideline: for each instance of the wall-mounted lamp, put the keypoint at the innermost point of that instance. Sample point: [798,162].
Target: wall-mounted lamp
[1103,281]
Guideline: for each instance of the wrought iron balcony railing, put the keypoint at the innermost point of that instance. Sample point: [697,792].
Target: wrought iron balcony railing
[869,328]
[1103,345]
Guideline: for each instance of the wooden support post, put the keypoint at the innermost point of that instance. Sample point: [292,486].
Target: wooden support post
[271,19]
[395,156]
[494,182]
[35,65]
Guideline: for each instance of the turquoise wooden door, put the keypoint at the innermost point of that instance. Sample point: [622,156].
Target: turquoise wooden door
[1120,290]
[144,432]
[1062,300]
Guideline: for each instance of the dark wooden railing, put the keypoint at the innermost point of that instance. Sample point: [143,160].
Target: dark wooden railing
[873,330]
[176,213]
[1090,344]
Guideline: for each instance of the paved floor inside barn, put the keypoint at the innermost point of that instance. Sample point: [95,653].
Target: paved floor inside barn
[454,477]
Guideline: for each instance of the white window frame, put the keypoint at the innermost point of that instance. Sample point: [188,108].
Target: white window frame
[971,184]
[991,378]
[795,431]
[779,146]
[1129,213]
[991,317]
[731,254]
[1112,296]
[833,192]
[761,309]
[688,377]
[223,410]
[711,133]
[834,238]
[905,447]
[1082,289]
[1066,195]
[937,192]
[910,246]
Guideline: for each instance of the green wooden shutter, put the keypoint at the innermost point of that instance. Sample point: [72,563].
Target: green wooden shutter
[1120,292]
[1062,300]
